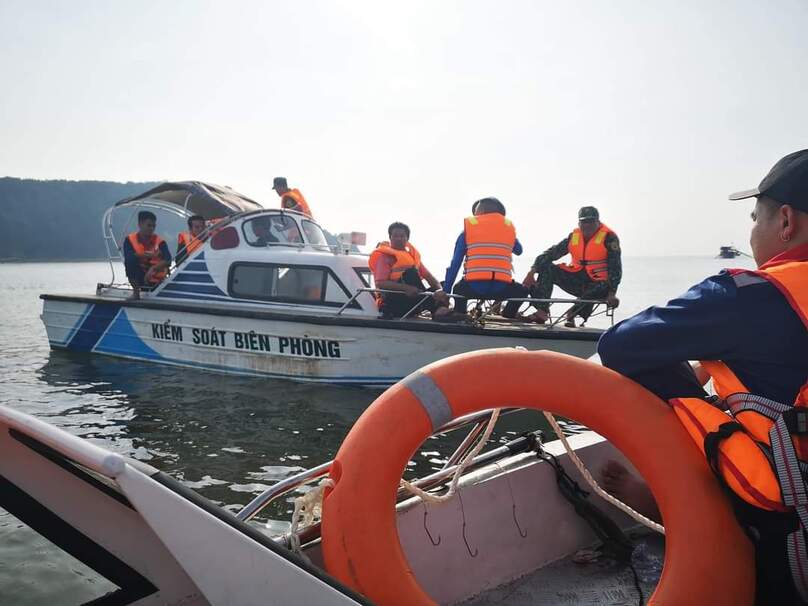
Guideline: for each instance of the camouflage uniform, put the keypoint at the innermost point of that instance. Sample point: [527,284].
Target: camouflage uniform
[576,283]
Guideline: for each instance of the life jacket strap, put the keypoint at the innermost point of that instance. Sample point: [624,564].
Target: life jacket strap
[795,494]
[713,440]
[796,419]
[740,402]
[505,258]
[489,245]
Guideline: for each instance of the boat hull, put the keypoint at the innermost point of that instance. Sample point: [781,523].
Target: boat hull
[339,350]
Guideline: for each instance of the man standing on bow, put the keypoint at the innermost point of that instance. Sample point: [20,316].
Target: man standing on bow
[291,199]
[593,273]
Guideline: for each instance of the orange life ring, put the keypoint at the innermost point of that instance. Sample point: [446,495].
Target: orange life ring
[708,559]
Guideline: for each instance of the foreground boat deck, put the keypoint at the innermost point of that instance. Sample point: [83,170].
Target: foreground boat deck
[601,583]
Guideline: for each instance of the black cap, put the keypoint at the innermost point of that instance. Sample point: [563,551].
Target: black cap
[786,183]
[588,213]
[279,182]
[493,203]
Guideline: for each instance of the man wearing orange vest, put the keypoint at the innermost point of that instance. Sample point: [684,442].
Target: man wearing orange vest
[487,244]
[291,199]
[594,272]
[396,265]
[187,241]
[145,254]
[749,329]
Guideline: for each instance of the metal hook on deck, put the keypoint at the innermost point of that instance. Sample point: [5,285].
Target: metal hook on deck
[522,533]
[474,553]
[429,534]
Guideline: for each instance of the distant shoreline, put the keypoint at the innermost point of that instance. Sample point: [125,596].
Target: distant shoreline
[54,260]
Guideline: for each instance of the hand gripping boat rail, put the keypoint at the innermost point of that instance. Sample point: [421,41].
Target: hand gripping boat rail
[708,559]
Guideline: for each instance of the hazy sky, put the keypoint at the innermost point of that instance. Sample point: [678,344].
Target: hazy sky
[381,111]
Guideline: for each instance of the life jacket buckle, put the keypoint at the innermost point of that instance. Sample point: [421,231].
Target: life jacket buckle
[796,420]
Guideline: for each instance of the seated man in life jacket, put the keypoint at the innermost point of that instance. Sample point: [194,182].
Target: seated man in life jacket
[291,198]
[262,232]
[187,241]
[594,273]
[487,243]
[396,265]
[145,254]
[749,329]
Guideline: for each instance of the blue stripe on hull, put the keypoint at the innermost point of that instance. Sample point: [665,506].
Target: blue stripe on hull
[190,277]
[75,327]
[194,288]
[94,324]
[121,339]
[177,295]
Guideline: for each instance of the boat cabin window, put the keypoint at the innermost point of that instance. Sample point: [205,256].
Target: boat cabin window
[224,238]
[287,283]
[272,230]
[366,276]
[314,235]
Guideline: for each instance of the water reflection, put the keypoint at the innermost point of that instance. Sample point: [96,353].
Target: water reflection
[226,436]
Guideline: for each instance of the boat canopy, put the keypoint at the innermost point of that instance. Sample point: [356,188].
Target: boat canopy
[197,198]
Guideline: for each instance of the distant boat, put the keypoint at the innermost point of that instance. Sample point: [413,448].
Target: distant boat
[728,252]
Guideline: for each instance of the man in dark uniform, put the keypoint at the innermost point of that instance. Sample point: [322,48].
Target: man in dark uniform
[748,323]
[594,273]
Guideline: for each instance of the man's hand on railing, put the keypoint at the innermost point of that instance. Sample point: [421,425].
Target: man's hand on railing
[441,297]
[612,301]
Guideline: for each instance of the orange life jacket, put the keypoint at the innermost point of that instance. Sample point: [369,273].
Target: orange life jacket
[591,255]
[489,248]
[146,263]
[405,259]
[299,200]
[187,241]
[759,446]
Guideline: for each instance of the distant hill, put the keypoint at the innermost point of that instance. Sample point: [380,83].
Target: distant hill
[56,220]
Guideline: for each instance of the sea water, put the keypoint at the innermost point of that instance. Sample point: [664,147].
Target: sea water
[227,437]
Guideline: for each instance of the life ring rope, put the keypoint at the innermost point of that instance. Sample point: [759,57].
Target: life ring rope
[593,484]
[461,467]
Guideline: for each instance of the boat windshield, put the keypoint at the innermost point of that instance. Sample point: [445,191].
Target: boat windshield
[314,234]
[272,231]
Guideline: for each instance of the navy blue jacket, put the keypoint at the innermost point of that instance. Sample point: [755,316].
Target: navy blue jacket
[749,326]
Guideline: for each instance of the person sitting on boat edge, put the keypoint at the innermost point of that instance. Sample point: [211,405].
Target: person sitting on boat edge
[145,254]
[750,330]
[487,243]
[594,273]
[396,265]
[187,241]
[291,199]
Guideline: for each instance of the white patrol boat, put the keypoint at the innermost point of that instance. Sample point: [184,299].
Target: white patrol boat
[268,294]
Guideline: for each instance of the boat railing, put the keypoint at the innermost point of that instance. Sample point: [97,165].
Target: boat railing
[479,420]
[480,317]
[554,321]
[114,243]
[529,441]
